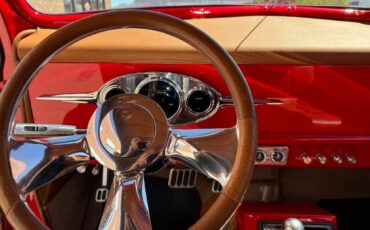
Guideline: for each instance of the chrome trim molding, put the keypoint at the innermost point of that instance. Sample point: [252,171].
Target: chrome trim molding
[74,98]
[228,101]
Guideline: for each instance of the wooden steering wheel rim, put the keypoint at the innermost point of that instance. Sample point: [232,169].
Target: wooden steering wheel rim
[231,196]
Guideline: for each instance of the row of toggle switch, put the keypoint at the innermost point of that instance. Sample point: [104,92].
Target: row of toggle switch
[322,159]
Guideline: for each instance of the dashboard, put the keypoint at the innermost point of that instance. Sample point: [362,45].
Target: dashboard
[311,97]
[297,106]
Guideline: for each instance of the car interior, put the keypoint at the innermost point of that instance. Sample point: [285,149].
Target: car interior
[187,114]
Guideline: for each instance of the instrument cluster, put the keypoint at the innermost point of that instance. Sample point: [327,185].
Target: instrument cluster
[184,99]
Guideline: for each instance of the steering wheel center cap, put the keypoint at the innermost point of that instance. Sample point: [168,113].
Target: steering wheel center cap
[127,133]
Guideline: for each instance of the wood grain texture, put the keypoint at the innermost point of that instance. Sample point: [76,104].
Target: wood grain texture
[249,39]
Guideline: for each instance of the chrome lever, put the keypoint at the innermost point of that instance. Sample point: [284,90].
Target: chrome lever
[39,130]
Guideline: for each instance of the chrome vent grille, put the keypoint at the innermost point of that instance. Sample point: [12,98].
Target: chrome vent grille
[182,178]
[307,226]
[216,187]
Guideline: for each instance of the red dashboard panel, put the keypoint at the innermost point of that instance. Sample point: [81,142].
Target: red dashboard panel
[322,110]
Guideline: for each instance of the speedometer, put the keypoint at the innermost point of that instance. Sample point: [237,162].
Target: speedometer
[164,93]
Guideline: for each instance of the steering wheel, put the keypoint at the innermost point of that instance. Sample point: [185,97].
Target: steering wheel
[126,134]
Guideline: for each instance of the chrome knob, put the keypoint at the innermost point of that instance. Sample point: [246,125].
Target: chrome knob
[306,159]
[337,159]
[322,159]
[260,156]
[351,159]
[81,169]
[278,156]
[293,224]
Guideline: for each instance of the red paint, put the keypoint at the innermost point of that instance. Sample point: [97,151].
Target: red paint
[14,22]
[7,48]
[32,202]
[250,214]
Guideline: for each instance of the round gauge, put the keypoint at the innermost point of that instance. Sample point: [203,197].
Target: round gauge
[164,94]
[199,101]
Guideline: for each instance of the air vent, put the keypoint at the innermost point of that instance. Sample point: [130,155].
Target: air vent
[182,178]
[307,226]
[216,187]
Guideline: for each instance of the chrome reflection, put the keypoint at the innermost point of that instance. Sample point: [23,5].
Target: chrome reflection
[35,163]
[124,133]
[210,151]
[126,206]
[127,133]
[74,98]
[43,130]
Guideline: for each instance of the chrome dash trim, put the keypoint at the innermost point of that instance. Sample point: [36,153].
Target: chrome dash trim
[228,101]
[73,98]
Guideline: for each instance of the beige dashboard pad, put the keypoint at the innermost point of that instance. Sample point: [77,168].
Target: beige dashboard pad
[250,40]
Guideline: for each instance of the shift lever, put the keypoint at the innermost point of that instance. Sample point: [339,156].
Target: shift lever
[293,224]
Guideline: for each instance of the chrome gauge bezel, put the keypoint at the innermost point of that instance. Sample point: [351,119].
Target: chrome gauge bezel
[102,94]
[183,84]
[211,106]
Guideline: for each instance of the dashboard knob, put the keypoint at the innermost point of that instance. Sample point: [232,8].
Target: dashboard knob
[337,159]
[260,156]
[278,156]
[351,159]
[81,169]
[322,159]
[306,159]
[293,224]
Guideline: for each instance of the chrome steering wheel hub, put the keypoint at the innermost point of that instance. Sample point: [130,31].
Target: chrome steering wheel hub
[127,133]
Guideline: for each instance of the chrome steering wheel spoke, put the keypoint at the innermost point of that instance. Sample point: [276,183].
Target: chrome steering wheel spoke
[126,206]
[37,162]
[210,151]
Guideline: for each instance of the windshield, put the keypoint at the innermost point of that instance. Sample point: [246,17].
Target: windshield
[73,6]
